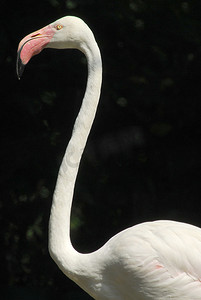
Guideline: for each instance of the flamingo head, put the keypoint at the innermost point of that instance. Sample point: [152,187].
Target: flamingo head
[67,32]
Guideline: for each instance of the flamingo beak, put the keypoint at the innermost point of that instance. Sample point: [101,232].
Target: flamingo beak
[31,45]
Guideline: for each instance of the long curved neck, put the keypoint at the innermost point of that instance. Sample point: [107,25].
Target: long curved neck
[60,247]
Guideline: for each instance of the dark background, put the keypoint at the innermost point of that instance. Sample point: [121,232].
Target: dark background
[142,161]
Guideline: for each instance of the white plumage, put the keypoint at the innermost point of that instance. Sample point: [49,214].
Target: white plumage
[158,260]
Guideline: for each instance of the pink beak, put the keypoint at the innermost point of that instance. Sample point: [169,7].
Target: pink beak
[31,45]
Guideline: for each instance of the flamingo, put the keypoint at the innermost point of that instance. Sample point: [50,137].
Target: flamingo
[157,260]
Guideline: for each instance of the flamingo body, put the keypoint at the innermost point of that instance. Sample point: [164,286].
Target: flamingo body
[147,261]
[158,260]
[152,261]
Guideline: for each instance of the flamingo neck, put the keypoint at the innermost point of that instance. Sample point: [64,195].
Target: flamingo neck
[67,258]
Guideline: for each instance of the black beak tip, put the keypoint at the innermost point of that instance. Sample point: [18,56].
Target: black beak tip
[19,66]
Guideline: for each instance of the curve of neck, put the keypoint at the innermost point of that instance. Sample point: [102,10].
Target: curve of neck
[60,247]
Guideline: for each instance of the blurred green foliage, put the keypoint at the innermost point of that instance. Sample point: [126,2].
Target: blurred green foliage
[142,161]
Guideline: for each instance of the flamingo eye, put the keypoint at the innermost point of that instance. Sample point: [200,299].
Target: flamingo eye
[34,35]
[59,27]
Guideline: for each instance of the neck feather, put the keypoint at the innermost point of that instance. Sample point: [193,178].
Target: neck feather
[60,247]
